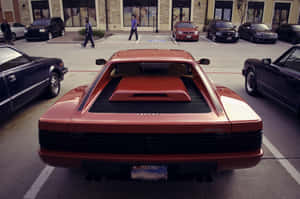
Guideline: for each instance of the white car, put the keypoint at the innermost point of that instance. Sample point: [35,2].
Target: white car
[17,30]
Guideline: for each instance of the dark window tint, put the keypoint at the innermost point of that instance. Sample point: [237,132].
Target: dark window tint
[293,61]
[41,22]
[15,62]
[185,25]
[223,24]
[260,27]
[18,25]
[6,55]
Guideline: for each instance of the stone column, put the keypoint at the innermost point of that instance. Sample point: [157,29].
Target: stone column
[56,7]
[24,12]
[164,14]
[199,13]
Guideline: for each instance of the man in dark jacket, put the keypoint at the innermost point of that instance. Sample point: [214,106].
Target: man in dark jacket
[88,34]
[5,28]
[133,28]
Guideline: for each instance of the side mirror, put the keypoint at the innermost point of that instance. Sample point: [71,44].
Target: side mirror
[204,61]
[266,61]
[100,61]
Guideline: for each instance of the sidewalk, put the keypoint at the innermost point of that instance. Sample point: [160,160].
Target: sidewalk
[75,38]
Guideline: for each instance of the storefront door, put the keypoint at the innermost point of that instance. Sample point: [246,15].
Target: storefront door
[223,10]
[40,9]
[281,14]
[181,11]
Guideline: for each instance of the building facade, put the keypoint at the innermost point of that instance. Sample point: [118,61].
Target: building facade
[152,15]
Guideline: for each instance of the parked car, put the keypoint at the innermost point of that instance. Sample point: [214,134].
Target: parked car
[151,109]
[219,30]
[45,29]
[185,30]
[257,32]
[289,32]
[23,78]
[17,30]
[279,80]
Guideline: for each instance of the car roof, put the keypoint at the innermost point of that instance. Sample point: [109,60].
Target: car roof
[152,54]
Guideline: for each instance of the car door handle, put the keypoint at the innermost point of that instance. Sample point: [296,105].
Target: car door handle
[12,78]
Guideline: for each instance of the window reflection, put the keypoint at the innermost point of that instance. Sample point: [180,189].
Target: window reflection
[76,11]
[144,10]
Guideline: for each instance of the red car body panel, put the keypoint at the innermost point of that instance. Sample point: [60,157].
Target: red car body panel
[229,114]
[184,33]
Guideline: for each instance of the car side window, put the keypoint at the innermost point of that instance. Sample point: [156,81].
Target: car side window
[282,60]
[21,60]
[293,61]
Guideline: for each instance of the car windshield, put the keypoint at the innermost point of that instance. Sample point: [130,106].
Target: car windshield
[260,27]
[151,68]
[296,28]
[185,25]
[224,24]
[41,22]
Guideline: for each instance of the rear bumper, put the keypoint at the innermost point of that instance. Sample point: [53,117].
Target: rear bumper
[225,161]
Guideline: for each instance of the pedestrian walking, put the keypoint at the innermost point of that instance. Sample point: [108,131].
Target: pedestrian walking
[88,34]
[133,28]
[5,28]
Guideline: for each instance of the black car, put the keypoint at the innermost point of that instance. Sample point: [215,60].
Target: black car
[23,78]
[257,32]
[289,32]
[44,29]
[279,80]
[219,30]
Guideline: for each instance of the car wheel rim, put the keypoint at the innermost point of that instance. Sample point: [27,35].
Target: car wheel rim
[250,81]
[54,84]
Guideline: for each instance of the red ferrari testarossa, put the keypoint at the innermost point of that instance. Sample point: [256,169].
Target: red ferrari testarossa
[151,113]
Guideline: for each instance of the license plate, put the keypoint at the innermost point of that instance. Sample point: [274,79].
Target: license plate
[149,172]
[229,38]
[189,36]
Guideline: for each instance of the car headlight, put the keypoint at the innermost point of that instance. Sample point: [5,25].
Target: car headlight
[219,33]
[42,30]
[180,32]
[25,30]
[196,32]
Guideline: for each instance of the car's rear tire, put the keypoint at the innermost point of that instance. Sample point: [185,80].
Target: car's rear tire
[250,83]
[54,85]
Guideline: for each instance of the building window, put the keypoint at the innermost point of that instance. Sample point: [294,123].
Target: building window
[223,10]
[144,10]
[255,12]
[281,14]
[181,10]
[40,9]
[76,11]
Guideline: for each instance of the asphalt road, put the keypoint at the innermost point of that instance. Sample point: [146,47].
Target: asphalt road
[22,173]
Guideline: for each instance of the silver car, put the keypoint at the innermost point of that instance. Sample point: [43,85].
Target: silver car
[17,30]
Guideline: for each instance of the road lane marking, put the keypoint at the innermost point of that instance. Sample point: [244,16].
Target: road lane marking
[210,41]
[39,182]
[282,160]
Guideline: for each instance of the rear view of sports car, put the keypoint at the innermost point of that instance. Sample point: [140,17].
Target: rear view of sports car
[151,114]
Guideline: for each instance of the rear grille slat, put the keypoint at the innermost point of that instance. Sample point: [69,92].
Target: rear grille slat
[118,143]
